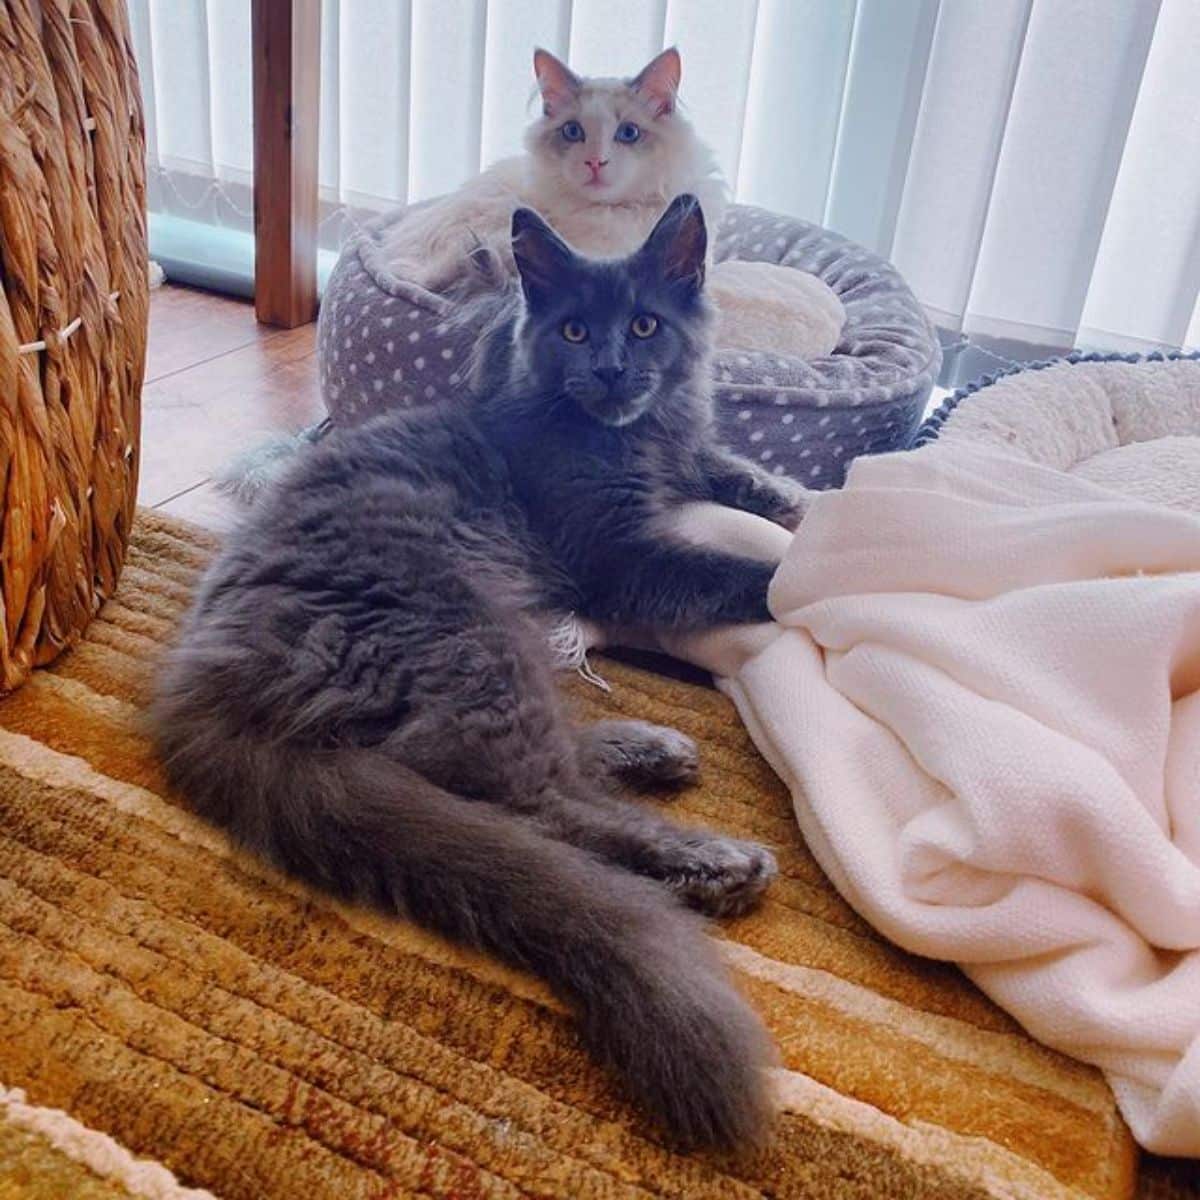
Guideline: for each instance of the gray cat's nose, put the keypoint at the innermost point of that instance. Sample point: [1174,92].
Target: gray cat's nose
[608,375]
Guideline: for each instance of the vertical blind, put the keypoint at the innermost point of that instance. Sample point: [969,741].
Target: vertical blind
[1031,166]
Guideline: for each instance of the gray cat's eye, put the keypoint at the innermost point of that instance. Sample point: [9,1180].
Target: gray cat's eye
[628,132]
[572,131]
[644,325]
[575,331]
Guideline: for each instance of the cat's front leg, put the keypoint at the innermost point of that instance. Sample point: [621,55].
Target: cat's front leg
[739,483]
[659,585]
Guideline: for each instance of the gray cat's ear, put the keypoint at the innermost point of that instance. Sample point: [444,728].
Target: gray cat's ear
[678,245]
[543,259]
[658,81]
[556,81]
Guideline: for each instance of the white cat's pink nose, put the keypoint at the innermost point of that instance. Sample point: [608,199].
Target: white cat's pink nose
[595,164]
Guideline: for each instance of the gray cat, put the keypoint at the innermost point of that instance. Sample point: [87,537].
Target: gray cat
[362,692]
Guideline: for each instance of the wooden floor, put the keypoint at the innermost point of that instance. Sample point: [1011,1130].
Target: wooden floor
[217,383]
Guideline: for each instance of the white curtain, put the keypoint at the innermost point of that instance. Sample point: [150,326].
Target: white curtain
[1031,166]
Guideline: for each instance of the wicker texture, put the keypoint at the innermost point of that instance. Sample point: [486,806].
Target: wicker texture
[73,317]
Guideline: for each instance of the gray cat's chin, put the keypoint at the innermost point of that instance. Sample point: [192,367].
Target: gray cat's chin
[616,416]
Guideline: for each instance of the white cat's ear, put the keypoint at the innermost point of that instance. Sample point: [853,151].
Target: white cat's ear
[678,244]
[658,81]
[543,259]
[556,81]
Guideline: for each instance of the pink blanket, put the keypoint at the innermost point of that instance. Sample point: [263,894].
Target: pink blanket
[985,698]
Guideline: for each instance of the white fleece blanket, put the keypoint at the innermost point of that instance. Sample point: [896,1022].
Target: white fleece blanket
[986,700]
[983,691]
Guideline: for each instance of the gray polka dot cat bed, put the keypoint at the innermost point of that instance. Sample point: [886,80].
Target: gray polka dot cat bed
[384,342]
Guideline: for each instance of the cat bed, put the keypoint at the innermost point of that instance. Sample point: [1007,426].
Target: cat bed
[1085,413]
[983,689]
[384,341]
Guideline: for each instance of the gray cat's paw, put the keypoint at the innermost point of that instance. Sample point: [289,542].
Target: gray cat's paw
[721,876]
[797,500]
[643,755]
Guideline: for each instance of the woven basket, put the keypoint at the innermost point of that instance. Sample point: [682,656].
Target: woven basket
[73,315]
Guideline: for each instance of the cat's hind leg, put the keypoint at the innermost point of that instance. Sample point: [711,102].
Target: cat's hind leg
[489,724]
[544,784]
[721,876]
[637,754]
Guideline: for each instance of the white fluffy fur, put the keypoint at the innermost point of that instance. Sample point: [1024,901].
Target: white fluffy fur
[609,212]
[607,218]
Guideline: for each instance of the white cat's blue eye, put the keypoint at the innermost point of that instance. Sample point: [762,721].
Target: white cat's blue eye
[628,132]
[572,131]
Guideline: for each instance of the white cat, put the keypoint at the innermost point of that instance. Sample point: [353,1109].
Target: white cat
[602,162]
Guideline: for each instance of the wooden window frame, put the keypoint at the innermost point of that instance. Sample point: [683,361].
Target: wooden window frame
[286,56]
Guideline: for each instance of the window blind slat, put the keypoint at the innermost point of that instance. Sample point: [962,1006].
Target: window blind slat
[615,37]
[797,75]
[1143,288]
[179,53]
[716,40]
[446,72]
[374,114]
[885,78]
[960,128]
[514,28]
[1072,103]
[228,39]
[329,158]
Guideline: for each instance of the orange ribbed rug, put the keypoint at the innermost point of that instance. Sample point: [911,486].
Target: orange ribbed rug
[176,1016]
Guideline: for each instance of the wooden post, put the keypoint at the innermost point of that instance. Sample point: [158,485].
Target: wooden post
[286,51]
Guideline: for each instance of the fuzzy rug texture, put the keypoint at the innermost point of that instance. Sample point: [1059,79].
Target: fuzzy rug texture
[176,1019]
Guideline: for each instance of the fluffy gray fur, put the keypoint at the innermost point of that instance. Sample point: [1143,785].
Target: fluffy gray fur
[251,473]
[362,692]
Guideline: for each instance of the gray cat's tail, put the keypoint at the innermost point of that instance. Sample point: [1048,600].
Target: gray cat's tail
[251,473]
[653,1001]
